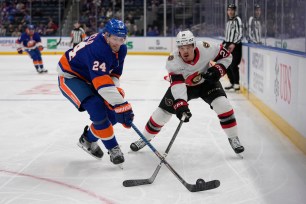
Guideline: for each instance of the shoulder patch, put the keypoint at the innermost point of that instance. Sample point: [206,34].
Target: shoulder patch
[170,58]
[206,44]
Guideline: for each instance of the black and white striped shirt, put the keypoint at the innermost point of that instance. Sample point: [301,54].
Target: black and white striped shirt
[77,35]
[254,30]
[233,31]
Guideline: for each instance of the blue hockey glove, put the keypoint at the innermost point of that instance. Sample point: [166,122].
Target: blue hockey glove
[124,114]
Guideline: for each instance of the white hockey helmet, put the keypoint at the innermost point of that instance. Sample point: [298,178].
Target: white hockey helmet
[185,38]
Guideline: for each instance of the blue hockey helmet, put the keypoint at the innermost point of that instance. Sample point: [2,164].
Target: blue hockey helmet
[115,27]
[31,27]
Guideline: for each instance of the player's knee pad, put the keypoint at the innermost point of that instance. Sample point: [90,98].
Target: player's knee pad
[221,105]
[161,117]
[158,119]
[95,107]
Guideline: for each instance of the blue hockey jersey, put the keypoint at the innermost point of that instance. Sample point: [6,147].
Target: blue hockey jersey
[29,41]
[94,62]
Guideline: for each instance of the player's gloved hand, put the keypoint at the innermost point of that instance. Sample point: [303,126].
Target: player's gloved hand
[181,107]
[124,114]
[40,48]
[214,73]
[19,50]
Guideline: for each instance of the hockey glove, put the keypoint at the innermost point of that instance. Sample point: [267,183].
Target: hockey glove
[124,114]
[181,107]
[19,50]
[40,48]
[215,72]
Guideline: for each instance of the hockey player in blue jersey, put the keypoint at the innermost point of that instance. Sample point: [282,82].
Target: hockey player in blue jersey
[89,78]
[30,42]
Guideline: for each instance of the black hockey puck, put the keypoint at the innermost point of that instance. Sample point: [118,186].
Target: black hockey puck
[200,182]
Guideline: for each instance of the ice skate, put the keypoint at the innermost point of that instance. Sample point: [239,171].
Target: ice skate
[236,87]
[138,145]
[44,70]
[39,70]
[237,147]
[233,88]
[116,156]
[229,87]
[91,148]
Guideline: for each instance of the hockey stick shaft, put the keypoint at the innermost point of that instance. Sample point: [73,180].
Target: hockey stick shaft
[168,148]
[163,160]
[200,185]
[138,182]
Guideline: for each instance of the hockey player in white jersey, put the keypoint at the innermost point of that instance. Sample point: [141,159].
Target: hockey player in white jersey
[194,72]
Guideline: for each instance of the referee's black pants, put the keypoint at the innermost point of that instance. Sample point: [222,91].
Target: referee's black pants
[233,69]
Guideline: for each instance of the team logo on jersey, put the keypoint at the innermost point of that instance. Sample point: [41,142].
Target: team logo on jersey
[168,102]
[197,79]
[171,57]
[206,45]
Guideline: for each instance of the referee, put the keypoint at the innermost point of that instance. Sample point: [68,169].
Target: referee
[254,27]
[232,42]
[77,34]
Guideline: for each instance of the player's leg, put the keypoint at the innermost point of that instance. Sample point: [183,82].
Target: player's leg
[76,91]
[221,105]
[157,120]
[237,54]
[34,57]
[102,127]
[40,61]
[236,72]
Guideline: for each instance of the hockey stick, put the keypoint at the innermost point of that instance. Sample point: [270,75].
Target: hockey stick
[138,182]
[59,41]
[200,185]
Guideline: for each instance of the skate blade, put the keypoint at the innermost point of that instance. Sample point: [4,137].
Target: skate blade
[81,146]
[120,166]
[240,156]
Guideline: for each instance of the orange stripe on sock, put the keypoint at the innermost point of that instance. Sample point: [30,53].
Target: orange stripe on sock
[68,92]
[104,134]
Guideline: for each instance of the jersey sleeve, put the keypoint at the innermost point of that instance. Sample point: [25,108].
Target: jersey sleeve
[238,30]
[37,37]
[177,80]
[19,42]
[102,81]
[83,34]
[222,56]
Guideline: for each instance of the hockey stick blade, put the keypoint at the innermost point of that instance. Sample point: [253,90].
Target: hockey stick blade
[203,186]
[200,185]
[138,182]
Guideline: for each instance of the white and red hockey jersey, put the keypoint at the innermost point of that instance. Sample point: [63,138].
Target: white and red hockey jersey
[206,55]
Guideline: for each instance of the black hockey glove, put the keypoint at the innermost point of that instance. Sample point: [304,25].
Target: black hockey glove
[181,107]
[215,72]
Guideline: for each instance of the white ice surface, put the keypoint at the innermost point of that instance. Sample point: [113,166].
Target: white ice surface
[41,163]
